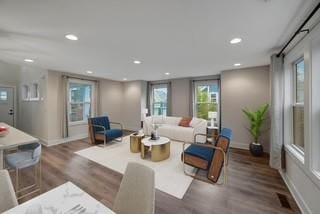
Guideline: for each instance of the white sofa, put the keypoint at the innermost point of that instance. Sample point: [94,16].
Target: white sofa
[169,127]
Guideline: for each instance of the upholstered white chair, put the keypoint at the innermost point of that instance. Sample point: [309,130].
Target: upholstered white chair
[8,196]
[137,191]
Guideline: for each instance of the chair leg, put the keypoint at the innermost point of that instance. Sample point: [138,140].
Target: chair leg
[37,184]
[17,180]
[40,175]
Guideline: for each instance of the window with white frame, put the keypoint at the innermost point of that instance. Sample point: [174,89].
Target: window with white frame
[159,99]
[34,91]
[80,101]
[298,104]
[206,98]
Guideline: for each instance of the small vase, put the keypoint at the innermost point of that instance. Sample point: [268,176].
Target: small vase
[256,149]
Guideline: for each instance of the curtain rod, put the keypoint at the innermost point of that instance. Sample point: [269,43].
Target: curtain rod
[300,29]
[80,78]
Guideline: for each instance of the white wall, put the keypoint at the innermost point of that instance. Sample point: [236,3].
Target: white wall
[302,173]
[244,88]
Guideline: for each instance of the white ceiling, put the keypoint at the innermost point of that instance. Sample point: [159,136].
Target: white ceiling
[183,37]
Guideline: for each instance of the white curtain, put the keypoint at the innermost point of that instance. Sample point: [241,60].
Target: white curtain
[277,99]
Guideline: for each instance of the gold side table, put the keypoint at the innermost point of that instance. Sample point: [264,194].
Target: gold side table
[160,149]
[135,142]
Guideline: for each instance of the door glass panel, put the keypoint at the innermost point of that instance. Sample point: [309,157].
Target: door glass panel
[3,95]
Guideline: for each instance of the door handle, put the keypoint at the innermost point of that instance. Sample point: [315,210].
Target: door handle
[11,113]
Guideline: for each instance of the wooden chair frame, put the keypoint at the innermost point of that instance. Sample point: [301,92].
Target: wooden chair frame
[225,160]
[104,131]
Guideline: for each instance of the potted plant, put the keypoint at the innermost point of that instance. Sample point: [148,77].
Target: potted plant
[256,119]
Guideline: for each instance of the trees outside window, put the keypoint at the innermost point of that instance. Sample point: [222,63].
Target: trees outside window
[206,98]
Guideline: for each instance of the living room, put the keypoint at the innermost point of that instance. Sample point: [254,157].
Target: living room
[105,84]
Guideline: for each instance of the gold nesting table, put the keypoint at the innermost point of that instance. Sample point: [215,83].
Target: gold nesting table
[160,148]
[135,142]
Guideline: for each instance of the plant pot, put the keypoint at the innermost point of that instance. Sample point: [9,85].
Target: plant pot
[256,149]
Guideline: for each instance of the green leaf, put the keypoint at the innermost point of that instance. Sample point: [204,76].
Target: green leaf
[256,119]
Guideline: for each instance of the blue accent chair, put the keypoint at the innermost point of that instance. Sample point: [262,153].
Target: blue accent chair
[208,156]
[100,130]
[26,156]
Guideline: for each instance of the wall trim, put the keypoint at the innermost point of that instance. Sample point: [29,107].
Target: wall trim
[239,145]
[54,142]
[295,193]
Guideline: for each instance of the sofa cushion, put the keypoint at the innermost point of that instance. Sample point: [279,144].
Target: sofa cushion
[157,120]
[113,134]
[185,122]
[176,132]
[172,120]
[201,152]
[195,121]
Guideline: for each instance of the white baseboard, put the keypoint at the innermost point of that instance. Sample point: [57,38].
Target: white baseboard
[295,193]
[131,128]
[239,145]
[65,140]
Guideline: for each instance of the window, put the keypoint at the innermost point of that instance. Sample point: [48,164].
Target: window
[3,95]
[80,100]
[206,98]
[25,91]
[159,99]
[298,105]
[34,91]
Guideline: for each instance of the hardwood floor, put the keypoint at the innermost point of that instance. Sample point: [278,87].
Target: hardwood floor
[253,187]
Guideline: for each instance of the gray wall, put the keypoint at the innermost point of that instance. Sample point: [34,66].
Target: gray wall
[181,97]
[249,87]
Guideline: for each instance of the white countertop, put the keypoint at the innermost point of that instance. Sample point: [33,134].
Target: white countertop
[15,137]
[59,201]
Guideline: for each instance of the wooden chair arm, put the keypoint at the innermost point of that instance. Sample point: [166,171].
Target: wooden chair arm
[200,134]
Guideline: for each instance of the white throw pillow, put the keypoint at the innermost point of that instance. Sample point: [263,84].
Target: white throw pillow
[195,121]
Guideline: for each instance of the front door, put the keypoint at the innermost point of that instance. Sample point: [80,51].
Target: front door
[7,105]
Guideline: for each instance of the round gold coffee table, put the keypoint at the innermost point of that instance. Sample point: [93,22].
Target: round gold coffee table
[135,142]
[160,149]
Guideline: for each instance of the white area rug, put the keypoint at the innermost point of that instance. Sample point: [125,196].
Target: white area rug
[169,176]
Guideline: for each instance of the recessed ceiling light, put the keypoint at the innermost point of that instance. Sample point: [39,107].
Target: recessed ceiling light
[28,60]
[125,79]
[167,73]
[235,40]
[137,62]
[89,72]
[236,64]
[72,37]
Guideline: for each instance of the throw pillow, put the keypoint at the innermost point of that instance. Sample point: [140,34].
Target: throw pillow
[185,121]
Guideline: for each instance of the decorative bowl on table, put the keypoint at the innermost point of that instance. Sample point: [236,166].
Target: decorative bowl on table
[3,131]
